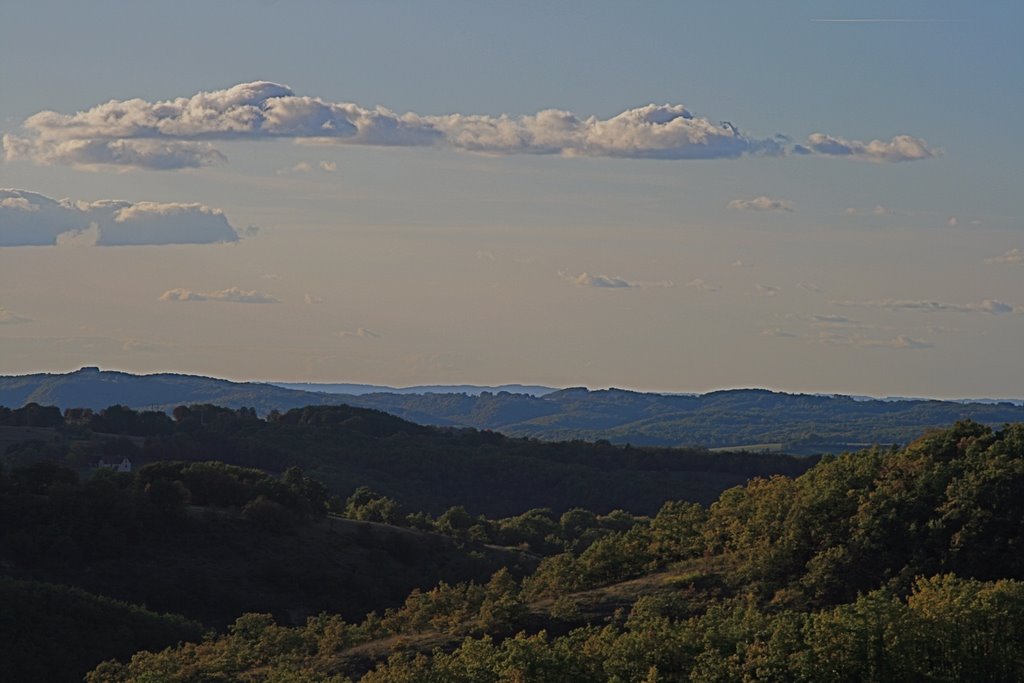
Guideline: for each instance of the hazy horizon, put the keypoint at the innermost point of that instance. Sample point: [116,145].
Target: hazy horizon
[497,385]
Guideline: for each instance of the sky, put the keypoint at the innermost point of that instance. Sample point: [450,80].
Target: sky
[664,196]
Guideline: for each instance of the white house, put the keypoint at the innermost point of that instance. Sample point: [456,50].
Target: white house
[124,466]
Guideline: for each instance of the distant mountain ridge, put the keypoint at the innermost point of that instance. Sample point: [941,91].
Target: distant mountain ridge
[755,419]
[362,389]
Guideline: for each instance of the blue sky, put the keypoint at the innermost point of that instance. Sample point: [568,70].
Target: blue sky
[887,261]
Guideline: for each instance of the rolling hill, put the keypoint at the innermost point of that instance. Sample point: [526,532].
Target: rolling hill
[752,419]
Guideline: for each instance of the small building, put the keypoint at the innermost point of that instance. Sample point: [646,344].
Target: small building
[124,466]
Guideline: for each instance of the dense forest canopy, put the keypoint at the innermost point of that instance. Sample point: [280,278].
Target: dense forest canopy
[428,469]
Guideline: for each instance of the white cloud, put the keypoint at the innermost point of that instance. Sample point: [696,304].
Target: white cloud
[231,295]
[900,148]
[761,203]
[609,281]
[483,255]
[12,318]
[986,306]
[588,280]
[31,219]
[766,290]
[177,133]
[953,222]
[876,210]
[992,306]
[837,330]
[809,287]
[93,154]
[311,299]
[830,321]
[360,332]
[13,203]
[1013,257]
[701,286]
[899,342]
[307,167]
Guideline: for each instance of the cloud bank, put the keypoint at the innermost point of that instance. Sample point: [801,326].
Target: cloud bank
[32,219]
[234,295]
[179,133]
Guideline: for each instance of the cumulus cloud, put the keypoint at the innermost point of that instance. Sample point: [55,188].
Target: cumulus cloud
[178,133]
[762,203]
[986,306]
[312,299]
[1013,257]
[12,318]
[32,219]
[233,295]
[900,148]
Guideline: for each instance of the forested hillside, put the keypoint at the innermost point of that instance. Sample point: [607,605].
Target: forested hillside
[798,424]
[751,419]
[880,565]
[427,469]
